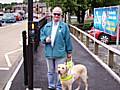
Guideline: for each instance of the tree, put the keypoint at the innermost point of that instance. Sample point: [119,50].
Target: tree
[75,6]
[1,7]
[25,1]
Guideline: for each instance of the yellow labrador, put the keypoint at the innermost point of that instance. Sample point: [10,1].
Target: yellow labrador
[68,76]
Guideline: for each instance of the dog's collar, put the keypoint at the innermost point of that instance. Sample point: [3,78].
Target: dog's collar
[68,77]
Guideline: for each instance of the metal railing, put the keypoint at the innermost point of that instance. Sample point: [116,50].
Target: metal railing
[111,53]
[38,24]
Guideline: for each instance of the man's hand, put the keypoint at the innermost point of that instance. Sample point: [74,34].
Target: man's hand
[48,39]
[69,56]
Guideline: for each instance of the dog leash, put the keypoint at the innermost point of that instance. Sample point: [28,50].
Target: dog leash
[69,63]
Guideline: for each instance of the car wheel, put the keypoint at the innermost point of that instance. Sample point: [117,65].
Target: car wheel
[105,38]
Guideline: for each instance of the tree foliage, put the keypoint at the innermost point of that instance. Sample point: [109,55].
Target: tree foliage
[77,6]
[25,1]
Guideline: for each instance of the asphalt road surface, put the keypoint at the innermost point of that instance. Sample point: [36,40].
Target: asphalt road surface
[10,49]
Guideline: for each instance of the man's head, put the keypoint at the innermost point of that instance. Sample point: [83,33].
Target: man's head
[56,13]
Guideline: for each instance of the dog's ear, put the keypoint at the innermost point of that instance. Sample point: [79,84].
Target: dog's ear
[65,63]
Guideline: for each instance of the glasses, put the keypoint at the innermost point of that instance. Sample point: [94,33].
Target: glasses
[58,14]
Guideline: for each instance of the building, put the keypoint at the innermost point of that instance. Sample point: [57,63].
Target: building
[37,7]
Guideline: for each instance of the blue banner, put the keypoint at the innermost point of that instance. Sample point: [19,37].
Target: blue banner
[106,19]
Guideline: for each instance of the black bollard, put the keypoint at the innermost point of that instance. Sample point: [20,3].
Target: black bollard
[25,59]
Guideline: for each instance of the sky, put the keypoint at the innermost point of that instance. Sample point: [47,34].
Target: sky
[9,1]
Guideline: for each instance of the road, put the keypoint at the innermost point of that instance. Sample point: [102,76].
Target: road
[10,49]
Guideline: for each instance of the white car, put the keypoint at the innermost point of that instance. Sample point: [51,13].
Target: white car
[73,17]
[1,15]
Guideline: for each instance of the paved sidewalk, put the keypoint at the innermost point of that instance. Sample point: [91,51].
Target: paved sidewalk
[99,78]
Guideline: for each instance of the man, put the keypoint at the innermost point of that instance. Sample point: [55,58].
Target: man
[58,47]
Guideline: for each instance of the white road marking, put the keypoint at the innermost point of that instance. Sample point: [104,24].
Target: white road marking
[2,68]
[8,85]
[15,23]
[14,51]
[7,58]
[21,43]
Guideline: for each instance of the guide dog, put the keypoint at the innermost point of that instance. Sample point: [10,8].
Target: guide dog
[69,75]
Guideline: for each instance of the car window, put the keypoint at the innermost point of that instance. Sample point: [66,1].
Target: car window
[8,15]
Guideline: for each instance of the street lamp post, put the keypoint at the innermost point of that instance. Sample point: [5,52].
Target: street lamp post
[37,8]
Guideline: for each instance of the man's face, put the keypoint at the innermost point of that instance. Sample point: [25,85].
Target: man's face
[56,16]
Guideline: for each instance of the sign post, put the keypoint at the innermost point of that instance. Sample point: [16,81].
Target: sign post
[117,40]
[30,45]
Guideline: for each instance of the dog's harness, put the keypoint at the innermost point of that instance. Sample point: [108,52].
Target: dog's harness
[69,65]
[68,77]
